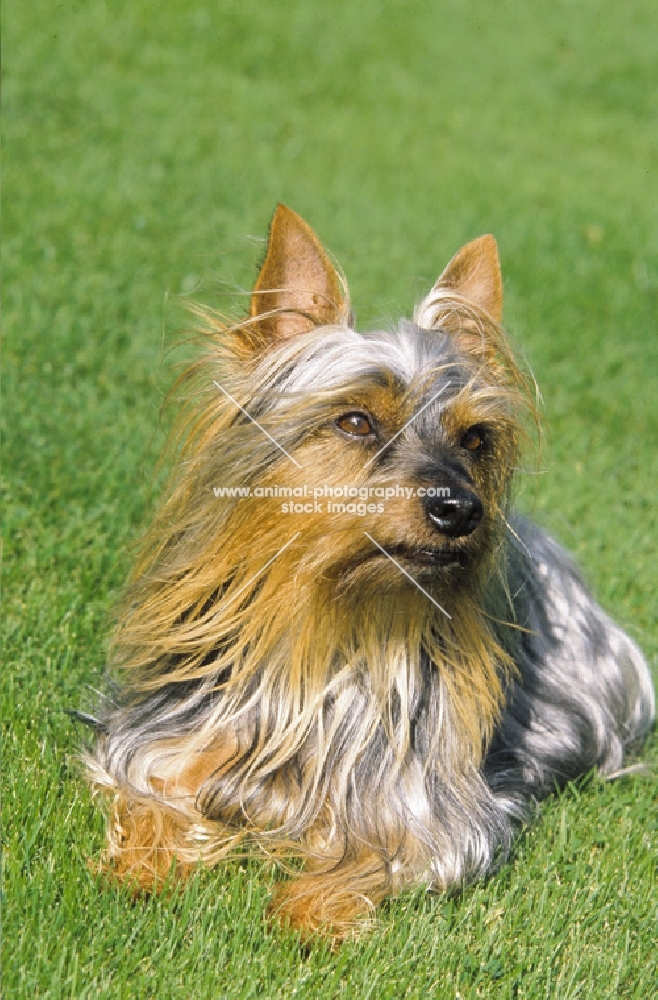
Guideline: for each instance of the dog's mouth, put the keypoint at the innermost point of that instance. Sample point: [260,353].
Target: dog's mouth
[429,556]
[420,556]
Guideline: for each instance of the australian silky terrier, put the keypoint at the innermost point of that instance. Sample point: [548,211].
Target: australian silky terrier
[339,645]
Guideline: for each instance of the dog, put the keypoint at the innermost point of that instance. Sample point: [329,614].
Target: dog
[339,646]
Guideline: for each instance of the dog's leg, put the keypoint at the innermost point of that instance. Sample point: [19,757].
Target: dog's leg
[158,832]
[147,842]
[334,902]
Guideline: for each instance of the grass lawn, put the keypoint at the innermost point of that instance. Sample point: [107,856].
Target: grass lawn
[144,143]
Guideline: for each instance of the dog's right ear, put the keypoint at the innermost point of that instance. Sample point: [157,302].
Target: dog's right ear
[298,287]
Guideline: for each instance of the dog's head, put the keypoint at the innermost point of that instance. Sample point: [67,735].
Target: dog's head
[390,453]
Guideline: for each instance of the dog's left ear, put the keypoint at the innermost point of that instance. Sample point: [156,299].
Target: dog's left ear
[298,287]
[473,274]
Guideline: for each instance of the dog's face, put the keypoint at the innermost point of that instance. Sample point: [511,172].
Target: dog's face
[388,453]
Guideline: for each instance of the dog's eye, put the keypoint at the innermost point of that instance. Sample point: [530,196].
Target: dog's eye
[356,424]
[473,439]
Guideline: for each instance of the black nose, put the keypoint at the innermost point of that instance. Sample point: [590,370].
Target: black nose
[456,515]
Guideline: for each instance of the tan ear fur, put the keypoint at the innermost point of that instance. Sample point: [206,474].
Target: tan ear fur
[474,274]
[298,287]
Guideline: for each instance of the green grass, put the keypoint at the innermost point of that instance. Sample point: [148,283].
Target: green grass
[142,143]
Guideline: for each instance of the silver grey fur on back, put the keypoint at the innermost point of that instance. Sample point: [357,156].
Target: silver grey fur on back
[584,691]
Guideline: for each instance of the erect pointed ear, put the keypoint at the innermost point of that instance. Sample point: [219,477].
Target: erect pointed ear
[297,288]
[472,274]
